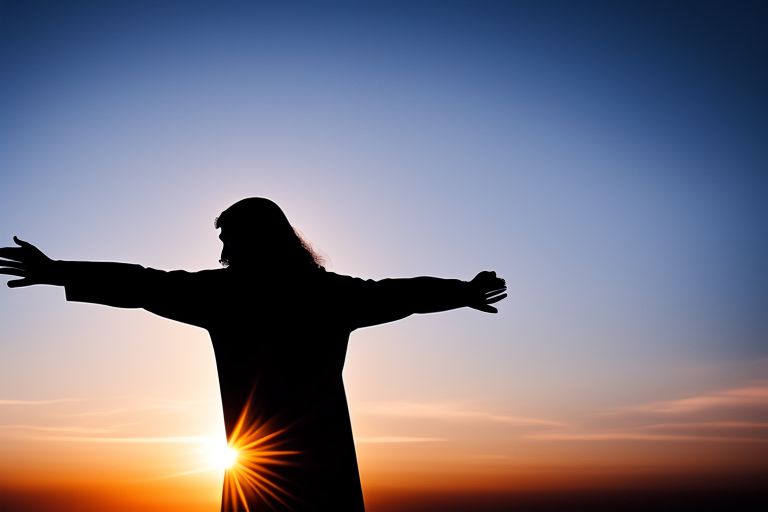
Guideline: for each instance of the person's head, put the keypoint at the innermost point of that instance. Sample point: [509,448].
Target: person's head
[256,233]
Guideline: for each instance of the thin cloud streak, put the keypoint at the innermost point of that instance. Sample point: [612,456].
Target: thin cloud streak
[397,439]
[729,419]
[59,429]
[754,395]
[201,440]
[181,474]
[636,436]
[726,425]
[38,402]
[156,406]
[451,411]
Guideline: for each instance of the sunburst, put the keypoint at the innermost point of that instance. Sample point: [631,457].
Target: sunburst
[255,450]
[224,456]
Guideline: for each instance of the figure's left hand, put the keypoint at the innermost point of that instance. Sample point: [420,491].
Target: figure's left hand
[487,289]
[27,262]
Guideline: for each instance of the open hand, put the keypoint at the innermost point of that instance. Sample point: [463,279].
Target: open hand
[487,289]
[27,262]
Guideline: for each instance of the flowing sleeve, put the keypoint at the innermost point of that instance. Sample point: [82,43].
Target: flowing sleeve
[178,295]
[366,302]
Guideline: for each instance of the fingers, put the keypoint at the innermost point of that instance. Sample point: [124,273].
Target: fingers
[12,253]
[493,300]
[15,268]
[19,283]
[494,293]
[489,279]
[485,308]
[22,246]
[22,243]
[25,261]
[13,272]
[485,276]
[12,264]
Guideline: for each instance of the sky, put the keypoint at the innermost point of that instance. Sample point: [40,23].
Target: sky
[608,159]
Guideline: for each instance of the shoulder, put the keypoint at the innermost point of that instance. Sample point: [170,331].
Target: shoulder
[345,283]
[212,273]
[334,278]
[196,278]
[218,273]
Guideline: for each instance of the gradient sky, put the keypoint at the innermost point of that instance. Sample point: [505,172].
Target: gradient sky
[608,161]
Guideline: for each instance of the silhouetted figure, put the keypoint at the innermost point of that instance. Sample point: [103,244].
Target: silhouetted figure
[279,323]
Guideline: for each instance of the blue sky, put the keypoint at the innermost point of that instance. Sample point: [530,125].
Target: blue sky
[608,160]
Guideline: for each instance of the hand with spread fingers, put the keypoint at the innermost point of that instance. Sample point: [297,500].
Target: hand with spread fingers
[27,262]
[487,289]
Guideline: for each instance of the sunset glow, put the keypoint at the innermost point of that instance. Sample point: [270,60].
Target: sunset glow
[608,159]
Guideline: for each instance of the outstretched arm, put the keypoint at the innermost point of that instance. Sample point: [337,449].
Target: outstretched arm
[375,302]
[174,295]
[433,294]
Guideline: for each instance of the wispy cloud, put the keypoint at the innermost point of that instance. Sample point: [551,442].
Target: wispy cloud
[133,406]
[746,396]
[728,415]
[705,425]
[70,420]
[492,457]
[638,436]
[37,402]
[397,439]
[64,429]
[202,440]
[453,411]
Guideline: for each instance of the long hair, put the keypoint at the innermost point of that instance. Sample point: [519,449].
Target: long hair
[262,232]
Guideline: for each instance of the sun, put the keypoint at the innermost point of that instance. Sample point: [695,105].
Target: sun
[224,457]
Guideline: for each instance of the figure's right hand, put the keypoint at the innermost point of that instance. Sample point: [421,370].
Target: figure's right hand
[487,289]
[27,262]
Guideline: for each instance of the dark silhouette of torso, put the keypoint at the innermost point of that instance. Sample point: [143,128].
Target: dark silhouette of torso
[280,341]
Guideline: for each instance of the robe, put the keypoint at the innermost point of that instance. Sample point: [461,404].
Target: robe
[280,340]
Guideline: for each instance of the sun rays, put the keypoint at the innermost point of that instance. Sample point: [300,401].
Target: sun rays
[254,452]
